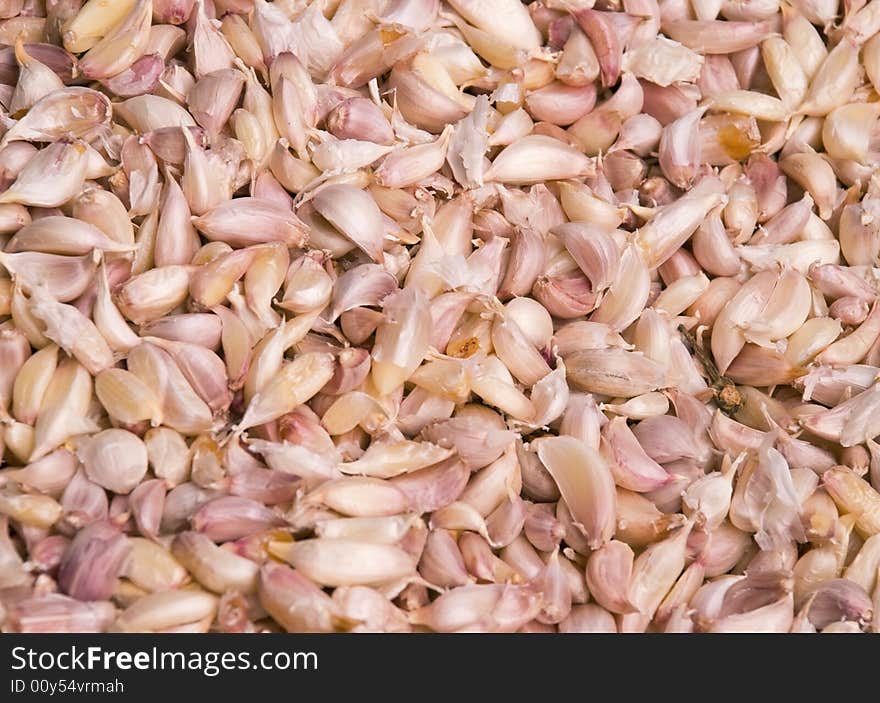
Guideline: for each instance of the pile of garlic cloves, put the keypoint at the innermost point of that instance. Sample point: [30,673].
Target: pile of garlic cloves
[460,316]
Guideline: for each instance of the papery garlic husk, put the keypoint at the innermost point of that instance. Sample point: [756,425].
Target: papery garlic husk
[663,62]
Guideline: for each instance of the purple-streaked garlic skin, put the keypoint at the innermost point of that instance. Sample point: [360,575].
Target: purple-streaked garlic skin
[323,320]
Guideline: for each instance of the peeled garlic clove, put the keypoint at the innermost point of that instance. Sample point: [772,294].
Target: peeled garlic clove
[35,81]
[167,609]
[126,398]
[121,46]
[31,379]
[386,460]
[64,278]
[247,221]
[585,482]
[62,235]
[51,178]
[340,562]
[656,569]
[717,36]
[152,294]
[182,408]
[854,495]
[293,385]
[835,80]
[680,155]
[355,214]
[114,459]
[537,158]
[294,601]
[72,331]
[631,467]
[410,165]
[216,569]
[614,372]
[93,562]
[608,574]
[846,130]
